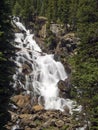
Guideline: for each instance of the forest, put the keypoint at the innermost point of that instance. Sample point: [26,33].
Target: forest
[82,16]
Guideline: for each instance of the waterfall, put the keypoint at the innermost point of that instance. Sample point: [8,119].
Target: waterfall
[37,72]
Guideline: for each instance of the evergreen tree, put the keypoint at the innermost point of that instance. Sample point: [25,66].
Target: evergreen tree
[63,10]
[39,4]
[24,9]
[28,9]
[53,9]
[17,9]
[5,63]
[85,76]
[44,8]
[73,14]
[50,10]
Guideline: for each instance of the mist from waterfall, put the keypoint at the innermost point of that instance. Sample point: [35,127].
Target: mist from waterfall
[43,74]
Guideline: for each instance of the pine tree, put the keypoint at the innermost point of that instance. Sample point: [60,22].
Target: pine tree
[86,61]
[17,9]
[50,10]
[73,14]
[44,8]
[28,9]
[63,10]
[6,50]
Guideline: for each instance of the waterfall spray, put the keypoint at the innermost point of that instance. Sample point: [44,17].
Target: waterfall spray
[40,71]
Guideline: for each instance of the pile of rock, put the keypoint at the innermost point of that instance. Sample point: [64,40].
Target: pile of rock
[24,116]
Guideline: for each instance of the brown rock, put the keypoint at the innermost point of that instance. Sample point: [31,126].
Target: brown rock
[25,116]
[27,120]
[61,85]
[26,69]
[64,87]
[42,32]
[14,116]
[21,100]
[41,19]
[59,123]
[26,109]
[37,108]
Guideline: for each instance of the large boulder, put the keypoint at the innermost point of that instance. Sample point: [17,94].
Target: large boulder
[57,29]
[64,88]
[26,69]
[40,27]
[42,31]
[21,100]
[26,104]
[69,41]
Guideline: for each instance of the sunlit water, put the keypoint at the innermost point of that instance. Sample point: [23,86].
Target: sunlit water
[45,72]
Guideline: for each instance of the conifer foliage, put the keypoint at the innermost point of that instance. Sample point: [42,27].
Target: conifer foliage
[5,63]
[85,76]
[54,10]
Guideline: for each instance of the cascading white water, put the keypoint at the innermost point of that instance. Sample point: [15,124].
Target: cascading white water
[44,73]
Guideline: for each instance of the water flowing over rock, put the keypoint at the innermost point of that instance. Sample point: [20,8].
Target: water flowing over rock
[38,73]
[42,89]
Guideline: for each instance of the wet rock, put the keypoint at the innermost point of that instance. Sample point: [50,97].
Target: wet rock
[41,100]
[66,109]
[64,89]
[26,69]
[57,57]
[61,85]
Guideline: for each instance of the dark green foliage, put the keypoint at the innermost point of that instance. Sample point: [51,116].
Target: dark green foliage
[73,14]
[55,10]
[23,9]
[63,10]
[5,63]
[85,74]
